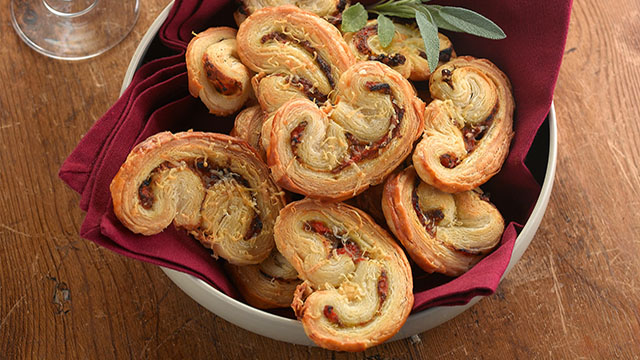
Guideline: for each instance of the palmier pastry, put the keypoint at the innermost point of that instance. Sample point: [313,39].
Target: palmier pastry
[357,291]
[468,126]
[337,151]
[215,73]
[212,185]
[268,285]
[295,53]
[406,52]
[331,10]
[442,232]
[248,127]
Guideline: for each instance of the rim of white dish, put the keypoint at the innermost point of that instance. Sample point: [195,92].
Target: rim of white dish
[289,330]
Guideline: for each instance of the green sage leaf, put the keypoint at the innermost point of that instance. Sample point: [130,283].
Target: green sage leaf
[401,12]
[354,18]
[434,10]
[429,33]
[400,8]
[386,30]
[468,21]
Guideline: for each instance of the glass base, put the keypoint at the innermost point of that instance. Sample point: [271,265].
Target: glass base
[73,29]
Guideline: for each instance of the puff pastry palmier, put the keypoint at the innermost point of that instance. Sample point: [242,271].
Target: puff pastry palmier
[248,127]
[215,73]
[268,285]
[468,126]
[331,10]
[357,291]
[212,185]
[406,52]
[442,232]
[295,53]
[338,150]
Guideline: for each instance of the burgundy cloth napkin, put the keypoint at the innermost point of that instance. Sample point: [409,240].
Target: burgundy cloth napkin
[158,100]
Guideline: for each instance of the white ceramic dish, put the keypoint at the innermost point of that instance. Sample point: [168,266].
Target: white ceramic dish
[283,329]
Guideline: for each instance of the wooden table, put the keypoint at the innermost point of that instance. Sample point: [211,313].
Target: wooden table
[575,293]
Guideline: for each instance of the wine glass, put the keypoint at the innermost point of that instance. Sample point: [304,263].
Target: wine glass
[73,29]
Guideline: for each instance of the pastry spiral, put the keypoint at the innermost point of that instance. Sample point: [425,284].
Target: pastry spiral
[337,151]
[442,232]
[357,291]
[331,10]
[468,126]
[248,127]
[406,52]
[212,185]
[268,285]
[215,73]
[295,53]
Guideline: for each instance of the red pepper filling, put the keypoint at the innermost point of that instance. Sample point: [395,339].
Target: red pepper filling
[446,77]
[224,84]
[306,45]
[379,87]
[318,227]
[432,217]
[336,242]
[211,176]
[254,228]
[296,133]
[352,249]
[146,194]
[362,150]
[308,89]
[331,315]
[449,160]
[360,39]
[383,286]
[471,134]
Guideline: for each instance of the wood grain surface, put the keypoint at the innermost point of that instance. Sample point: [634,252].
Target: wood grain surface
[574,294]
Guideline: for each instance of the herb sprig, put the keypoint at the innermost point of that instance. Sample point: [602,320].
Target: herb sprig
[428,17]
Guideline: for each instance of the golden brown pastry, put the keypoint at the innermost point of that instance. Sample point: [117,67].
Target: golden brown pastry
[248,127]
[330,10]
[442,232]
[295,53]
[212,185]
[357,291]
[215,73]
[406,52]
[268,285]
[338,150]
[468,125]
